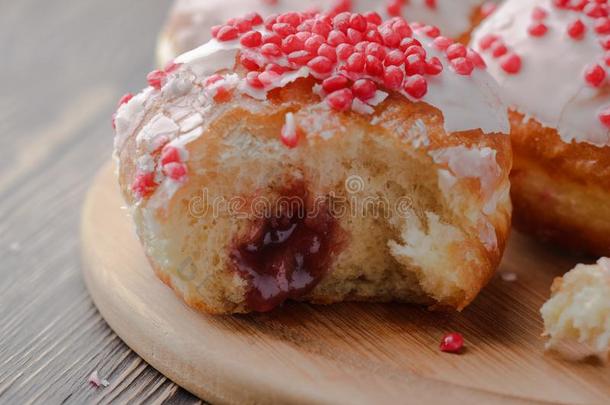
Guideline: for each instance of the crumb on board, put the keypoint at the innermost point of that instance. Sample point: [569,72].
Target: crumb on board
[94,379]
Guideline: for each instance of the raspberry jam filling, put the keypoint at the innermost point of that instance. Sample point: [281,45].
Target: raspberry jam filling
[286,254]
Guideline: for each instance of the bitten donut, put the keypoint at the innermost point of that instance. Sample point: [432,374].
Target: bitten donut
[552,59]
[190,21]
[579,309]
[271,164]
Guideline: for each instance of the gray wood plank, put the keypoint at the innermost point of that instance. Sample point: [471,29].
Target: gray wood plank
[64,65]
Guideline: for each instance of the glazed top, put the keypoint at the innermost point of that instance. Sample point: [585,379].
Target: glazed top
[191,20]
[552,59]
[357,57]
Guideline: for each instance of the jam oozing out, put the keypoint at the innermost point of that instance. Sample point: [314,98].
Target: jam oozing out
[287,253]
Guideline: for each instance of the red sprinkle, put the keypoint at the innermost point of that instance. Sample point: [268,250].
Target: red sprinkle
[595,75]
[511,63]
[340,100]
[169,154]
[538,13]
[254,18]
[373,18]
[596,9]
[476,59]
[251,39]
[576,29]
[394,58]
[537,29]
[364,89]
[355,63]
[434,66]
[602,26]
[227,33]
[271,49]
[171,67]
[125,99]
[431,31]
[442,43]
[415,65]
[374,67]
[344,51]
[290,134]
[321,64]
[456,51]
[462,66]
[253,80]
[452,343]
[498,49]
[604,117]
[335,83]
[393,77]
[416,86]
[155,78]
[248,62]
[487,41]
[144,185]
[175,171]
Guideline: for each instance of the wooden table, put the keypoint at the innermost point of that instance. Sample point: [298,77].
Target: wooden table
[63,66]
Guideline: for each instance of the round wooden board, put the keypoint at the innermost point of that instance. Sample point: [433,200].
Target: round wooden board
[348,353]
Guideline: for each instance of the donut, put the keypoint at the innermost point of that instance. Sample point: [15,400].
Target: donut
[579,310]
[190,21]
[269,165]
[551,59]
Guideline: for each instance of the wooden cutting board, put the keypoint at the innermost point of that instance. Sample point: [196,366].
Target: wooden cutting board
[347,353]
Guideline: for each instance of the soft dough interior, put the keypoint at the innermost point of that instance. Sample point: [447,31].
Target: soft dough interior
[403,240]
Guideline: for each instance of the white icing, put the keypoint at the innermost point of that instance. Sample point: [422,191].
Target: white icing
[290,127]
[191,122]
[550,86]
[159,130]
[378,98]
[129,116]
[177,86]
[475,163]
[466,102]
[186,138]
[361,107]
[146,163]
[487,235]
[191,20]
[453,17]
[446,181]
[211,58]
[478,164]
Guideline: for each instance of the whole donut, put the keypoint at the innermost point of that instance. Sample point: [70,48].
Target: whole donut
[190,21]
[258,172]
[552,60]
